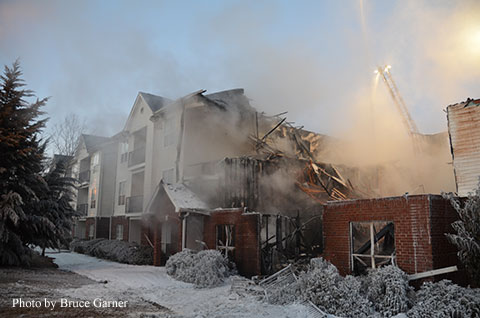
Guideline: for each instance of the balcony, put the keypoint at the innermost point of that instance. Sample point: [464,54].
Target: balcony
[84,176]
[82,209]
[134,204]
[136,157]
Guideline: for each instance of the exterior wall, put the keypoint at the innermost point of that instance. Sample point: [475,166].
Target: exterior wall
[116,220]
[140,119]
[94,186]
[247,237]
[419,223]
[107,184]
[211,135]
[165,156]
[122,175]
[464,130]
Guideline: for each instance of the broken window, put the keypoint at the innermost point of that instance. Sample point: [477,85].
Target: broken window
[364,235]
[226,239]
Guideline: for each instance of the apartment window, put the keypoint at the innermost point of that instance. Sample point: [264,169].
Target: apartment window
[91,231]
[169,132]
[93,198]
[121,193]
[119,232]
[226,239]
[123,152]
[167,176]
[372,245]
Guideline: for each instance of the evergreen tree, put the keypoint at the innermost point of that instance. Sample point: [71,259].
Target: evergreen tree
[467,237]
[21,156]
[55,205]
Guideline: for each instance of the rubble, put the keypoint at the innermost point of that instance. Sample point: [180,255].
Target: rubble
[115,250]
[206,268]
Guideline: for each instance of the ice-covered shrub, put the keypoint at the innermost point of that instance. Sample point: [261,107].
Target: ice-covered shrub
[322,285]
[387,288]
[445,299]
[467,228]
[203,269]
[341,296]
[115,250]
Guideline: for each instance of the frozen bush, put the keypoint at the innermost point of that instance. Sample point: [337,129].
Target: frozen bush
[203,269]
[323,285]
[115,250]
[387,288]
[445,299]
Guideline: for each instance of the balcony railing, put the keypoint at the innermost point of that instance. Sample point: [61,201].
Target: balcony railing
[84,176]
[82,209]
[134,204]
[137,156]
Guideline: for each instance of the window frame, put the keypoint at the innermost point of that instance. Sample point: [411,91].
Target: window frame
[355,256]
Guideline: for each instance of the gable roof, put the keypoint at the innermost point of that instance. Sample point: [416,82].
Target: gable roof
[92,141]
[182,198]
[154,102]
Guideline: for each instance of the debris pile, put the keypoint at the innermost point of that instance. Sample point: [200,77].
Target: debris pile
[114,250]
[383,292]
[206,268]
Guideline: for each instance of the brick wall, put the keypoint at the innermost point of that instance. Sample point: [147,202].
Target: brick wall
[419,222]
[116,220]
[247,242]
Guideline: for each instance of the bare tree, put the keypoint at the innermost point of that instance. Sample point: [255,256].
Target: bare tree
[65,135]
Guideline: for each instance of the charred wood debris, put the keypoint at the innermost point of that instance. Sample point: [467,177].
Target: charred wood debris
[292,237]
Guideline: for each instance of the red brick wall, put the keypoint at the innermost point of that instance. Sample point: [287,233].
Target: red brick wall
[419,221]
[119,220]
[247,242]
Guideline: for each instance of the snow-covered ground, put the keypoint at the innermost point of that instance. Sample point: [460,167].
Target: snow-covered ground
[152,284]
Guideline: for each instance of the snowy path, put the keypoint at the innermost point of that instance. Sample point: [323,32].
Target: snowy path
[153,284]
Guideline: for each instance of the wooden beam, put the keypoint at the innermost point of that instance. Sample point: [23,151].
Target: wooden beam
[433,272]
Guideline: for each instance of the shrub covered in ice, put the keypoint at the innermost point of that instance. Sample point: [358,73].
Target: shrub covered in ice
[445,299]
[323,285]
[337,295]
[387,288]
[115,250]
[384,292]
[203,269]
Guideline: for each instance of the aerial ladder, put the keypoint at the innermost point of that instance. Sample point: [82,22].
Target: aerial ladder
[408,122]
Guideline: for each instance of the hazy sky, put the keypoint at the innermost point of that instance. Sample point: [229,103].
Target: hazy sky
[314,59]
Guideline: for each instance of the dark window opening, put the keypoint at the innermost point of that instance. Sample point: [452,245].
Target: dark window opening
[364,235]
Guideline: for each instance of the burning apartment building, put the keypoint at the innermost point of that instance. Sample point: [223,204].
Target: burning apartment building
[210,171]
